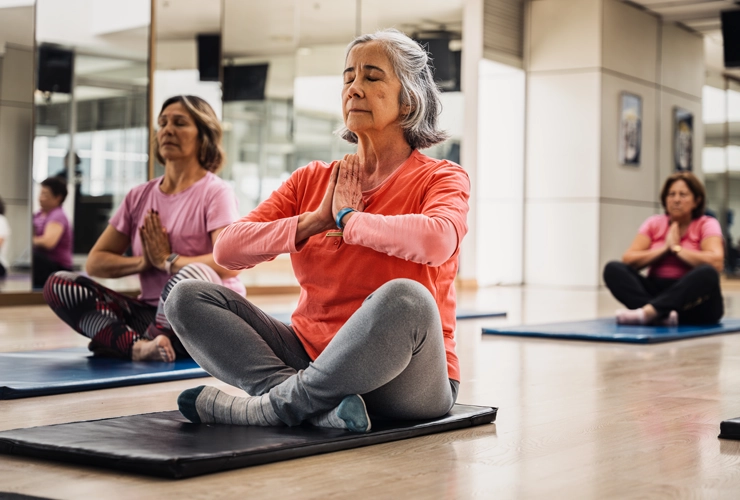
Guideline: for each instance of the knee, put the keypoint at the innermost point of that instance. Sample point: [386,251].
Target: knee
[54,280]
[707,273]
[182,302]
[403,293]
[612,269]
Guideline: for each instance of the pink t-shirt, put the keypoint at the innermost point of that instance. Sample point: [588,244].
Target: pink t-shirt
[62,253]
[670,266]
[189,217]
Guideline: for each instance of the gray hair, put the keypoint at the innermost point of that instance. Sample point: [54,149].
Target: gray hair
[411,63]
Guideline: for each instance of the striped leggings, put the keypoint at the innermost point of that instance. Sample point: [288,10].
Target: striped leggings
[114,322]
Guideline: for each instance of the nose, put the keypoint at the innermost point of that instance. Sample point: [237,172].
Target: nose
[355,89]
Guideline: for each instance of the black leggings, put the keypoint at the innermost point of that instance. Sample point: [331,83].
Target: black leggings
[696,297]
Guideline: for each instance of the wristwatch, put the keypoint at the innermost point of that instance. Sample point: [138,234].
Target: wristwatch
[676,249]
[170,260]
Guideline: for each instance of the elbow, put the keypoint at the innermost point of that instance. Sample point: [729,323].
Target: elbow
[220,257]
[90,265]
[439,253]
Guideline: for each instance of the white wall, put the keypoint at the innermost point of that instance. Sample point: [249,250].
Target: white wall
[500,184]
[583,207]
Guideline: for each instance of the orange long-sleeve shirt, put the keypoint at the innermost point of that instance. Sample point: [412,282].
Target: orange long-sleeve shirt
[411,227]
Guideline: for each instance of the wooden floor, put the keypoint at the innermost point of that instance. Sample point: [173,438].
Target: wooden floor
[576,419]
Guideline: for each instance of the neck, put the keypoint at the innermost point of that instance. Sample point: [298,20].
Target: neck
[682,221]
[381,157]
[180,175]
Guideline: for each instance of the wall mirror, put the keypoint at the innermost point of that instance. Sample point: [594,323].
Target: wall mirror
[90,109]
[16,118]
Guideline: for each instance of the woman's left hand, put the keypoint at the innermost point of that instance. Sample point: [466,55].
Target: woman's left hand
[348,192]
[155,240]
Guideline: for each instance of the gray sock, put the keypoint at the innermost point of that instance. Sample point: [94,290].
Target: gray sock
[212,406]
[351,414]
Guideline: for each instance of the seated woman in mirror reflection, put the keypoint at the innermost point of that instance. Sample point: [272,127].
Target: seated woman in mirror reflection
[685,252]
[374,242]
[170,223]
[52,234]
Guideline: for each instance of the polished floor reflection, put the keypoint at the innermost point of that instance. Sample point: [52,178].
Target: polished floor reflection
[576,419]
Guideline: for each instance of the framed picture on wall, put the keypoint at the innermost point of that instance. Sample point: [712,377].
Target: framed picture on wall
[630,129]
[683,140]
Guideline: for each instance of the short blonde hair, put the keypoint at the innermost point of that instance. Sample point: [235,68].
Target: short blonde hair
[211,155]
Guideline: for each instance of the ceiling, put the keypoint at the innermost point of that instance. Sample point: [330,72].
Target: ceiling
[701,16]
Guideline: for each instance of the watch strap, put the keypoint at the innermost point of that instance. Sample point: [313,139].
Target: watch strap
[169,261]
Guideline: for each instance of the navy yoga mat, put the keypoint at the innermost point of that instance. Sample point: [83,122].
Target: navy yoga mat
[608,330]
[166,444]
[40,373]
[461,314]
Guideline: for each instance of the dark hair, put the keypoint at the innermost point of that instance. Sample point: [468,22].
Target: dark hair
[211,155]
[57,186]
[2,207]
[694,185]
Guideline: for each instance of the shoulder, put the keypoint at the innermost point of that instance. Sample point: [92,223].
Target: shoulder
[654,223]
[657,220]
[215,185]
[57,215]
[708,225]
[310,172]
[141,190]
[438,169]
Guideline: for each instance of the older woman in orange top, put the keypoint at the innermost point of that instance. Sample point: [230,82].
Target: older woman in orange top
[374,241]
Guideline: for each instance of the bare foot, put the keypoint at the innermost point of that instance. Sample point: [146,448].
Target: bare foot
[159,349]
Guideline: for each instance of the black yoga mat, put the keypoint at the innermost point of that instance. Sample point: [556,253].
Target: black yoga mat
[730,429]
[40,373]
[166,444]
[607,329]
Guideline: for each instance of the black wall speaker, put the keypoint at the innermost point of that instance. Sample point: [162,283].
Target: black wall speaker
[245,83]
[209,57]
[55,69]
[445,63]
[731,37]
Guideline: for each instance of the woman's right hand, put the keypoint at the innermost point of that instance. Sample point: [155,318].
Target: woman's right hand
[673,237]
[321,219]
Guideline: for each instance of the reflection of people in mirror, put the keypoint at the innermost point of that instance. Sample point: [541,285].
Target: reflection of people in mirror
[374,242]
[684,250]
[170,224]
[52,233]
[4,236]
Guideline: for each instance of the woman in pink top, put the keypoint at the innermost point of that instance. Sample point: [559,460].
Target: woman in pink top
[170,224]
[683,249]
[374,241]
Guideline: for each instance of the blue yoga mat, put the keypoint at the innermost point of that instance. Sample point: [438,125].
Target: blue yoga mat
[40,373]
[461,314]
[606,329]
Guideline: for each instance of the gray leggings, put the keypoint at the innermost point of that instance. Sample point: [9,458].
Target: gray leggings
[391,351]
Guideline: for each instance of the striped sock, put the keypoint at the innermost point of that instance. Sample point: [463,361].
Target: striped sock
[209,405]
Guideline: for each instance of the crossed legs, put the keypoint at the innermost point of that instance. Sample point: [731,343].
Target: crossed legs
[390,351]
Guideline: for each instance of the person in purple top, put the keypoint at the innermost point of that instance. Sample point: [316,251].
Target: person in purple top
[170,225]
[52,234]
